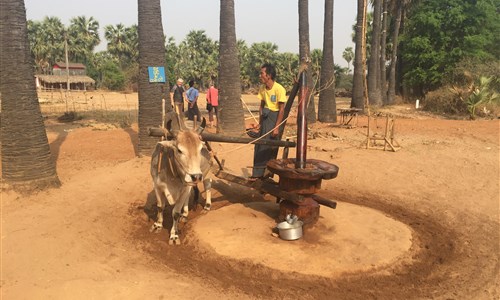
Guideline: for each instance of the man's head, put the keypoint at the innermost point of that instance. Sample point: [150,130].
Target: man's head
[191,83]
[180,81]
[267,72]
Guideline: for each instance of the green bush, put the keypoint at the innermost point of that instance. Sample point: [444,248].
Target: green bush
[481,94]
[112,77]
[472,88]
[444,101]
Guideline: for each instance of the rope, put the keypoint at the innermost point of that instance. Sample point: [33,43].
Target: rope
[302,68]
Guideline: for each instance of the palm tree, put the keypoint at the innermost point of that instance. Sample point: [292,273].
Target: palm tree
[348,55]
[358,89]
[231,120]
[117,38]
[259,54]
[305,55]
[398,6]
[374,94]
[83,38]
[383,45]
[200,57]
[288,64]
[151,54]
[246,73]
[315,69]
[26,157]
[39,49]
[132,44]
[171,55]
[327,108]
[53,35]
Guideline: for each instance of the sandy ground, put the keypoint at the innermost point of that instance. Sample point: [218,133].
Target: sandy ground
[420,223]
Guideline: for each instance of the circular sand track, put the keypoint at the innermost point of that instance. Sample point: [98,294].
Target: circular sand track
[441,263]
[348,239]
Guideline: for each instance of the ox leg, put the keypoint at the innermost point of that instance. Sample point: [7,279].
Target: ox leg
[184,213]
[207,184]
[174,232]
[177,215]
[158,225]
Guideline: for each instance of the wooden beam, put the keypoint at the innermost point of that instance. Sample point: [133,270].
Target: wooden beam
[211,137]
[268,186]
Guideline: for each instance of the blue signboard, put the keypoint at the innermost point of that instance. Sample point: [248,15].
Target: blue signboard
[156,74]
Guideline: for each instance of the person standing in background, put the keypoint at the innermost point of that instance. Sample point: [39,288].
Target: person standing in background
[177,96]
[212,104]
[192,97]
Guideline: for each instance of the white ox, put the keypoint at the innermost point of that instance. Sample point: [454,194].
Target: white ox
[177,166]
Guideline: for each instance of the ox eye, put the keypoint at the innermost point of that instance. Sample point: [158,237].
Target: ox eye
[179,151]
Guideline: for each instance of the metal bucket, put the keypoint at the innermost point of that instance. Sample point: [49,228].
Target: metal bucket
[290,232]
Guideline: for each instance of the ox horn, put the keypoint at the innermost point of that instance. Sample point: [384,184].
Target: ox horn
[172,123]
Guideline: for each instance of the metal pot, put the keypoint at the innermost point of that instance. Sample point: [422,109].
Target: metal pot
[290,232]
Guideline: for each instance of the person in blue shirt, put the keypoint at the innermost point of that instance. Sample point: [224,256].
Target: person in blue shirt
[192,97]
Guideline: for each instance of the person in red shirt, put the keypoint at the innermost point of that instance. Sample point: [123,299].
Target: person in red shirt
[212,104]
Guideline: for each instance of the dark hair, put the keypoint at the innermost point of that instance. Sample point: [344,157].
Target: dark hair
[191,83]
[270,70]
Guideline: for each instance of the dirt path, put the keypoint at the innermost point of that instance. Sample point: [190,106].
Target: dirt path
[90,239]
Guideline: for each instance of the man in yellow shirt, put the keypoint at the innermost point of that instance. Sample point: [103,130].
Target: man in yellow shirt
[272,96]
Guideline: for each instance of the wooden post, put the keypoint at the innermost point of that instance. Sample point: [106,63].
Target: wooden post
[368,133]
[388,137]
[66,58]
[386,130]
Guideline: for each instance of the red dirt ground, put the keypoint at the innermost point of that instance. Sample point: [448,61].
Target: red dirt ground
[89,239]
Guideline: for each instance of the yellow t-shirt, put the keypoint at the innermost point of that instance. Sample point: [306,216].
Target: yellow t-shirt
[273,96]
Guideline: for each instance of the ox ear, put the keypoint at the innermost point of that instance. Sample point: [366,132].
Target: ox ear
[200,128]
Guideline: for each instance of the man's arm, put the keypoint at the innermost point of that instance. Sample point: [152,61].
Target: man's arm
[281,113]
[191,104]
[261,107]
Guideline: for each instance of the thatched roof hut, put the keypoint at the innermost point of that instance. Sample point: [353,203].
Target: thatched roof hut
[76,82]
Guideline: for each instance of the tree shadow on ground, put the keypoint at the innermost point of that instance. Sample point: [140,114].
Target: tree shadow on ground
[134,139]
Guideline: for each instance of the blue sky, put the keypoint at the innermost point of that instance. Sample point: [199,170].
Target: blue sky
[273,21]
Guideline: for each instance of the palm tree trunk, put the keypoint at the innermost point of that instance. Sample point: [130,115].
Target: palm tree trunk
[151,54]
[305,55]
[231,116]
[383,45]
[374,94]
[358,88]
[26,157]
[327,110]
[394,57]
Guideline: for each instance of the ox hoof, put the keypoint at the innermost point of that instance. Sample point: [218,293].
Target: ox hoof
[174,240]
[207,206]
[156,227]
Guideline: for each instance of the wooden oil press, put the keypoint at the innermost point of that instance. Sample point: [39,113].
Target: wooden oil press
[299,178]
